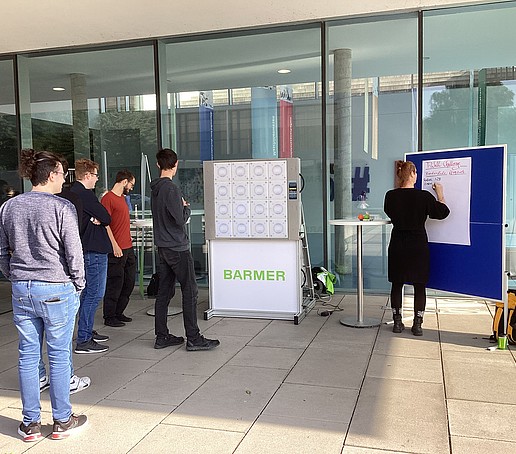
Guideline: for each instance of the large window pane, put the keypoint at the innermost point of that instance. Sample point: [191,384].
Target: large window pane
[9,179]
[371,122]
[238,79]
[479,65]
[99,105]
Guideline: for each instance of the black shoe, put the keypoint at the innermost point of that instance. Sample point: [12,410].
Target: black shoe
[32,432]
[90,347]
[123,318]
[416,327]
[65,429]
[398,324]
[99,337]
[201,343]
[114,322]
[168,341]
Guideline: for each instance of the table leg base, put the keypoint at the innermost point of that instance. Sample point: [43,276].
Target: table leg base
[365,323]
[171,311]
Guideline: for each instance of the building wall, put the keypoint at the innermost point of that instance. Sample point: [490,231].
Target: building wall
[32,25]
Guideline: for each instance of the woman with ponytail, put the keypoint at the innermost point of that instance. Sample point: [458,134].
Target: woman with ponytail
[409,255]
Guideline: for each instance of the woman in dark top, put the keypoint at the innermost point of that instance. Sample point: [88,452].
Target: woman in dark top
[409,255]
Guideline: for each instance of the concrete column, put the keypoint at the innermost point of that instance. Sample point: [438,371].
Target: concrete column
[81,131]
[25,109]
[342,161]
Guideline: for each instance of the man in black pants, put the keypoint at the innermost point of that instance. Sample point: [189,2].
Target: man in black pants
[170,213]
[121,272]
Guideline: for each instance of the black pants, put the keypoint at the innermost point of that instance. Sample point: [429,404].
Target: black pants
[121,276]
[419,296]
[174,265]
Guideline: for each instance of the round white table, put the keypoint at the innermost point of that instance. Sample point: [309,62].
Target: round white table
[360,321]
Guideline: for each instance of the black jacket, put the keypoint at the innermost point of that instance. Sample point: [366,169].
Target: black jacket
[169,216]
[94,237]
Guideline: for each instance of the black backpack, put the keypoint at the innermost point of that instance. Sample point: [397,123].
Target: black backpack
[152,288]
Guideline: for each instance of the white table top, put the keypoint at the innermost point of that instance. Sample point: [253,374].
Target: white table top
[355,221]
[142,222]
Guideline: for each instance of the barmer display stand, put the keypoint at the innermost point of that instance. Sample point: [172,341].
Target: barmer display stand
[259,264]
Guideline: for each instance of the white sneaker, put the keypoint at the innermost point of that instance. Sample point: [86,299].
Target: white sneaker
[44,383]
[79,383]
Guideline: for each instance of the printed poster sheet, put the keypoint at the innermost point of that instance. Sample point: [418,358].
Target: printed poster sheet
[455,177]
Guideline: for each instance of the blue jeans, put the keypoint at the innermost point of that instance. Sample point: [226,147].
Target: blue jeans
[95,266]
[44,308]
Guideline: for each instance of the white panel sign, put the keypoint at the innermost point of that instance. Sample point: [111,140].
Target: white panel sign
[455,177]
[255,275]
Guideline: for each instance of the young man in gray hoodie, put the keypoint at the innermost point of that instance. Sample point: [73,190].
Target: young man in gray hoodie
[170,213]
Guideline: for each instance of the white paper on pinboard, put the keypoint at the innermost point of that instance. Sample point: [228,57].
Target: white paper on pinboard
[455,176]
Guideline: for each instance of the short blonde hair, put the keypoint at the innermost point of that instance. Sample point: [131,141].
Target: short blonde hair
[84,166]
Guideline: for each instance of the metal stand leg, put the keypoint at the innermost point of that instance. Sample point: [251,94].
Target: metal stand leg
[360,321]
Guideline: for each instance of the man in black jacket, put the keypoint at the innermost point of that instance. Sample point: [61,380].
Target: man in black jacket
[96,246]
[170,213]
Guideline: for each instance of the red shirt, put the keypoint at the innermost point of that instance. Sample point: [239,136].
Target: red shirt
[120,223]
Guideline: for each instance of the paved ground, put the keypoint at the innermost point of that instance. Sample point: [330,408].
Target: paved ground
[274,387]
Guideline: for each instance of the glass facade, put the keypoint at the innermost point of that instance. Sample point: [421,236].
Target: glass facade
[479,65]
[10,183]
[229,97]
[371,122]
[341,95]
[99,105]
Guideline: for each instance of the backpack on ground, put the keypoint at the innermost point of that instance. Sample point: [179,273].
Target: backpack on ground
[511,319]
[152,288]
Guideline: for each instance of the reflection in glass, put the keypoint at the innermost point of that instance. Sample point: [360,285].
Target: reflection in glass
[371,118]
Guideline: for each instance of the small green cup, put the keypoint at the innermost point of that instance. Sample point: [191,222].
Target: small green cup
[502,343]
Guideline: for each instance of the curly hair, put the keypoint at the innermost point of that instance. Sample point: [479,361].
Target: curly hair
[36,166]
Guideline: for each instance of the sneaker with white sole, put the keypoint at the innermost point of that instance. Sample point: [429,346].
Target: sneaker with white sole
[99,337]
[32,432]
[63,430]
[90,346]
[44,383]
[79,383]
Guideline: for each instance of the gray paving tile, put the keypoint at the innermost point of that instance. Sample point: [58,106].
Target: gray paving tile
[333,333]
[405,344]
[159,388]
[313,402]
[236,327]
[339,367]
[107,376]
[112,427]
[287,435]
[405,368]
[356,450]
[485,372]
[8,356]
[230,400]
[166,439]
[271,357]
[464,445]
[465,332]
[390,415]
[201,363]
[482,420]
[142,349]
[285,334]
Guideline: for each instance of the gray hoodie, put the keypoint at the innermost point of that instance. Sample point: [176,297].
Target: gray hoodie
[39,240]
[169,216]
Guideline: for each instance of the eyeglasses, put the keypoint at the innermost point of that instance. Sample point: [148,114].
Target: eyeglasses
[96,175]
[65,174]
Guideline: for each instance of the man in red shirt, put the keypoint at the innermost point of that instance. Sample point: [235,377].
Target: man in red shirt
[121,272]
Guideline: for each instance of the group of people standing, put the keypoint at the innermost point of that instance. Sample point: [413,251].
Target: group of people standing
[63,251]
